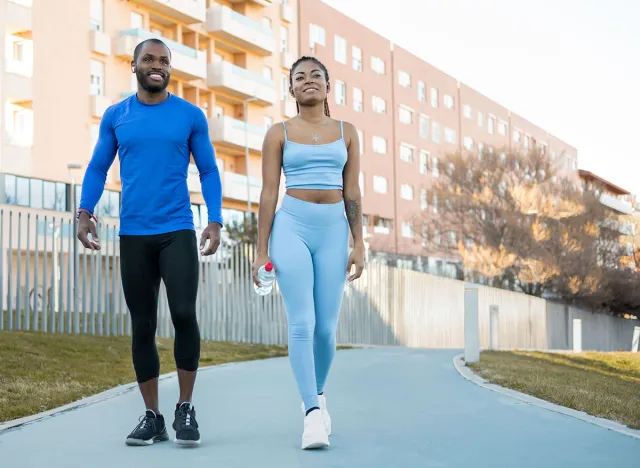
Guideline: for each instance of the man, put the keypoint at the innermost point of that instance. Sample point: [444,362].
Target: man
[154,133]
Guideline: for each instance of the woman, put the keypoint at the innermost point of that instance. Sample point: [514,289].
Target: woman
[307,239]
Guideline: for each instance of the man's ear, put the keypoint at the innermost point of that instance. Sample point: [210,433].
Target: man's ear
[133,67]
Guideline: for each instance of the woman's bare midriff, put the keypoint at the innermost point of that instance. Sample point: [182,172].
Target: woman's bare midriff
[316,196]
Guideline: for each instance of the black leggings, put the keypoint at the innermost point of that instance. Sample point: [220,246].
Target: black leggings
[144,260]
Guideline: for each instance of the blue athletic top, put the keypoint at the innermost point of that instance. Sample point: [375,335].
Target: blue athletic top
[154,142]
[314,166]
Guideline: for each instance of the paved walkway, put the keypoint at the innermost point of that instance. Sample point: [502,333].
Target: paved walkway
[390,408]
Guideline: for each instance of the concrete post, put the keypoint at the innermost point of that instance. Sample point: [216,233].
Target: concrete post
[471,325]
[494,328]
[636,339]
[577,335]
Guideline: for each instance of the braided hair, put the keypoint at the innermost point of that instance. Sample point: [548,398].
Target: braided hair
[326,77]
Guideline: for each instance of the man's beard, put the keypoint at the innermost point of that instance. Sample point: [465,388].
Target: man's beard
[151,87]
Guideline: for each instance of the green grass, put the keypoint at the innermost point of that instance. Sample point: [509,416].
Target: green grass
[600,384]
[41,371]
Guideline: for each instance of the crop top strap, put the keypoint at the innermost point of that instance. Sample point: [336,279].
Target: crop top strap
[341,131]
[284,126]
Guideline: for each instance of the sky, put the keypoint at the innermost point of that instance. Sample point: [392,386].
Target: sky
[572,67]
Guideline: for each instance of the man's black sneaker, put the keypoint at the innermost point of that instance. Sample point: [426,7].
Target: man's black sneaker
[185,425]
[150,429]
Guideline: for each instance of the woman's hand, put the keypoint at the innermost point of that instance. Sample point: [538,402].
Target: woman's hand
[261,259]
[356,258]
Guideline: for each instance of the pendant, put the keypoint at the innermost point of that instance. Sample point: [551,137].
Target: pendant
[315,137]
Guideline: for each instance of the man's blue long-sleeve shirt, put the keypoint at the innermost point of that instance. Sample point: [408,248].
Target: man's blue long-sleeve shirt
[154,143]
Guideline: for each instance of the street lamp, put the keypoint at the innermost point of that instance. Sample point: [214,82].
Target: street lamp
[72,167]
[246,155]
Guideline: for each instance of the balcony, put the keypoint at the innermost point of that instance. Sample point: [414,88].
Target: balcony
[239,32]
[100,42]
[19,16]
[186,62]
[240,83]
[99,105]
[234,186]
[231,132]
[286,60]
[616,204]
[257,2]
[288,108]
[193,179]
[185,11]
[286,13]
[17,81]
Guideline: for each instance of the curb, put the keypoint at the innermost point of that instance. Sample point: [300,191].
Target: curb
[467,373]
[16,424]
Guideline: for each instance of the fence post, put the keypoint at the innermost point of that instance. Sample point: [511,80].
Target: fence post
[471,325]
[577,335]
[494,329]
[636,339]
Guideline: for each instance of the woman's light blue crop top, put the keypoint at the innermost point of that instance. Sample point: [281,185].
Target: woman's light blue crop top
[316,167]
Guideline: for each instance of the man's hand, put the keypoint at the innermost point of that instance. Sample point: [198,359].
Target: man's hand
[356,259]
[212,234]
[86,226]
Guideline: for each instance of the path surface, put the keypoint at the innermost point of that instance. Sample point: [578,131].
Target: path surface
[390,408]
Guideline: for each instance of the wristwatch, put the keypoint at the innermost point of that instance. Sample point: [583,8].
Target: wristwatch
[91,215]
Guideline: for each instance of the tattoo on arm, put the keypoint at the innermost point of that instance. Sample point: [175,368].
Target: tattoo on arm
[354,216]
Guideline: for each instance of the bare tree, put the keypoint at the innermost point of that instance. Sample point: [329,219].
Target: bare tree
[519,222]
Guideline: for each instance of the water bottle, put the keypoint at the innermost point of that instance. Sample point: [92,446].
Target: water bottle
[266,275]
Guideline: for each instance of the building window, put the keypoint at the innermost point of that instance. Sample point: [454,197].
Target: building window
[406,153]
[94,133]
[453,238]
[377,65]
[449,102]
[516,136]
[467,111]
[316,35]
[340,49]
[284,87]
[382,225]
[526,142]
[404,79]
[361,182]
[480,119]
[434,167]
[468,143]
[434,98]
[423,199]
[96,15]
[361,140]
[356,58]
[341,93]
[379,145]
[407,230]
[424,126]
[267,73]
[434,202]
[284,39]
[97,78]
[450,135]
[435,132]
[35,193]
[378,105]
[136,20]
[379,184]
[502,127]
[358,105]
[406,192]
[266,22]
[422,91]
[268,122]
[424,158]
[405,115]
[491,125]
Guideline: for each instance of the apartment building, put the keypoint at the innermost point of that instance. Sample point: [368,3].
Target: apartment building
[66,61]
[422,114]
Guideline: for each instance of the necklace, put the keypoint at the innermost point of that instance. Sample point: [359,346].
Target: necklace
[315,137]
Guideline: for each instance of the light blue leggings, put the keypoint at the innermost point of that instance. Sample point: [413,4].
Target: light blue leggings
[309,248]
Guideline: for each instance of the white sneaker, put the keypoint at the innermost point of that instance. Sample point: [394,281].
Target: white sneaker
[326,419]
[314,435]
